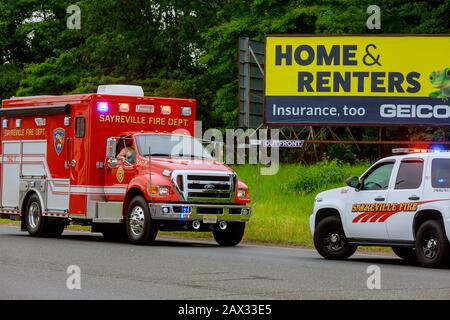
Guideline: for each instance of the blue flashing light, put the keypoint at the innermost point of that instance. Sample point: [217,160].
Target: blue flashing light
[102,107]
[186,210]
[437,149]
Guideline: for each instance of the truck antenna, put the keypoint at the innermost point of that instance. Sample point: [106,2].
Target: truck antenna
[150,169]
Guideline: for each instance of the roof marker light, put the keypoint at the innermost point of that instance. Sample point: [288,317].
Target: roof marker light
[186,111]
[124,107]
[166,110]
[102,107]
[145,108]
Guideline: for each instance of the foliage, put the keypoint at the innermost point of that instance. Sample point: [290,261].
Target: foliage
[175,47]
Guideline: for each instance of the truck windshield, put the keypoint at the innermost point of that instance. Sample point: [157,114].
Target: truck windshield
[159,145]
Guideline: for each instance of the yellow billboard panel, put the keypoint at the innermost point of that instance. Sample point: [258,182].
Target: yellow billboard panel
[354,65]
[344,80]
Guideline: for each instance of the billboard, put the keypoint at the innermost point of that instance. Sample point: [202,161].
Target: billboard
[357,80]
[251,83]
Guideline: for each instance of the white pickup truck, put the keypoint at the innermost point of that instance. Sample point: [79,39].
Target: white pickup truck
[401,201]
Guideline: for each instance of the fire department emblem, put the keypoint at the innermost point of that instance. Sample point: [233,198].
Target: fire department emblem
[58,139]
[120,174]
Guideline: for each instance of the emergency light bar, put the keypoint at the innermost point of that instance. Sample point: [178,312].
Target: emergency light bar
[121,90]
[416,150]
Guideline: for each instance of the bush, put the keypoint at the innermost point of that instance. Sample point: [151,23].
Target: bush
[312,178]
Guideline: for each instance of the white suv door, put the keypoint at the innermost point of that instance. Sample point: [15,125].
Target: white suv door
[362,214]
[405,194]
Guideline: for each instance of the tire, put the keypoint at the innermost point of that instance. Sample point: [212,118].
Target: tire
[34,220]
[432,246]
[39,226]
[231,236]
[407,254]
[54,228]
[330,240]
[140,227]
[114,232]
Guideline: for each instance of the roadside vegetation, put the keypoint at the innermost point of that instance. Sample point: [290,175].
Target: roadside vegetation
[284,202]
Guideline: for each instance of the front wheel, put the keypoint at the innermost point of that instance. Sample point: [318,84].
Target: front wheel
[432,246]
[231,236]
[330,240]
[141,229]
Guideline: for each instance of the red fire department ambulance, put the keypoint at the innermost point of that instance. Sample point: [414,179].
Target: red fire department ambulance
[126,164]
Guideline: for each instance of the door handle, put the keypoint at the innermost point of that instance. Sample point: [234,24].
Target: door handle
[414,198]
[379,199]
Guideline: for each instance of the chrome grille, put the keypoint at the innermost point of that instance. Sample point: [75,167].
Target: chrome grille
[205,186]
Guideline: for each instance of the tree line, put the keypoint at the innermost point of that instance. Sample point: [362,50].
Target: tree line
[177,48]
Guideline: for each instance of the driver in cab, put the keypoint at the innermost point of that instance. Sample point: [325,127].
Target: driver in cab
[128,153]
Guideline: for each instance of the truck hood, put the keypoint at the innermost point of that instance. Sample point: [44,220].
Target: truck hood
[333,194]
[172,164]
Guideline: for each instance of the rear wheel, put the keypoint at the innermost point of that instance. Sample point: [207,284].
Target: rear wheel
[231,236]
[432,246]
[407,254]
[39,226]
[141,229]
[330,240]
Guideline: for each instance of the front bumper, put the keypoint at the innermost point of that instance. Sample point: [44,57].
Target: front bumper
[191,212]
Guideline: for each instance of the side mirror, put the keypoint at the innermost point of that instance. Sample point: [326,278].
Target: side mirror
[111,145]
[112,163]
[353,182]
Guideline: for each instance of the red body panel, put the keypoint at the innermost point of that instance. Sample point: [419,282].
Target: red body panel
[87,177]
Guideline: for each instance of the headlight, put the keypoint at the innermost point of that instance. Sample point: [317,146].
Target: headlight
[161,191]
[243,194]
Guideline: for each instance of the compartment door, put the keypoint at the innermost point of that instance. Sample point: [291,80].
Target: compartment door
[10,173]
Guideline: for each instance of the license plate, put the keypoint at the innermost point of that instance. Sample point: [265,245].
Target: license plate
[209,219]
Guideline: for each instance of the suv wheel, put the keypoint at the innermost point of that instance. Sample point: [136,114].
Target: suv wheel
[432,246]
[330,240]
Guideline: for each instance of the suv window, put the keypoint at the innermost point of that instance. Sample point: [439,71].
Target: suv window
[378,178]
[409,174]
[440,173]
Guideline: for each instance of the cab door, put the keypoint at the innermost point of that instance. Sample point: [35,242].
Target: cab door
[364,208]
[407,191]
[118,176]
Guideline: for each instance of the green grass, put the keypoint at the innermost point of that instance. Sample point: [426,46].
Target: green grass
[282,202]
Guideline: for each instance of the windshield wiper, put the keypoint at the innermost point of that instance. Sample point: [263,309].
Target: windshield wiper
[156,155]
[190,156]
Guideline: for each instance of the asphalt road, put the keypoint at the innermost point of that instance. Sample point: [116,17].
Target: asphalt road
[35,268]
